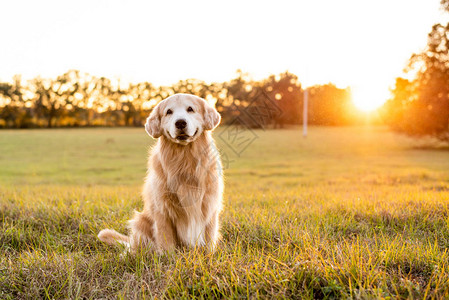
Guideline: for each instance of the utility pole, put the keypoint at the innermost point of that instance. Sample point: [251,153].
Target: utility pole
[304,112]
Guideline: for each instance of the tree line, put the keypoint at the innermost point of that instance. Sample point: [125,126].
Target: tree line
[76,99]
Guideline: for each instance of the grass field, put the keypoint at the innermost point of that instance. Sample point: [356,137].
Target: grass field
[346,212]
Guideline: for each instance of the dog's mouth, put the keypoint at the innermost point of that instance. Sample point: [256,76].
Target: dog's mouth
[184,136]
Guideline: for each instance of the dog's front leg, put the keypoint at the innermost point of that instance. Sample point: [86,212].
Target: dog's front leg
[165,232]
[211,232]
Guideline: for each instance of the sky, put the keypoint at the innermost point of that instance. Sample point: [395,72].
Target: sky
[352,43]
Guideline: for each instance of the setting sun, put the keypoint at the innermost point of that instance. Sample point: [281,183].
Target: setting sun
[368,98]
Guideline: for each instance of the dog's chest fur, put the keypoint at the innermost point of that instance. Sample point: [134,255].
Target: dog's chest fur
[189,182]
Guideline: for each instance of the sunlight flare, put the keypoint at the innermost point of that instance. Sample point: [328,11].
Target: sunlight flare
[368,98]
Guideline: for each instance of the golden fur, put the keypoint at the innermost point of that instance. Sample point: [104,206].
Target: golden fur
[183,188]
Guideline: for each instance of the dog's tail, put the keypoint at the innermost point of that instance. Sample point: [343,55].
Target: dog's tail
[112,237]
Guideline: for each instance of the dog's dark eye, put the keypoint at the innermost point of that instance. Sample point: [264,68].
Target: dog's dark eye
[190,109]
[169,112]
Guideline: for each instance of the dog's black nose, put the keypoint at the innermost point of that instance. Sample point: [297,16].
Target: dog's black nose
[181,124]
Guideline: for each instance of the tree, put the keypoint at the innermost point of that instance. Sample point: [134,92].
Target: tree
[445,5]
[285,92]
[420,107]
[139,102]
[16,111]
[235,97]
[330,105]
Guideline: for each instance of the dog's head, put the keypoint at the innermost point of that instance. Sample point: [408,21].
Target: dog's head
[182,118]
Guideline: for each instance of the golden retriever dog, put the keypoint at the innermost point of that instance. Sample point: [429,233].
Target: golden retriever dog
[183,188]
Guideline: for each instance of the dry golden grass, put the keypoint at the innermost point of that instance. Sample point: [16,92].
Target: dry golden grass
[345,213]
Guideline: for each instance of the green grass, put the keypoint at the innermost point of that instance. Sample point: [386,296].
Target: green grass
[346,212]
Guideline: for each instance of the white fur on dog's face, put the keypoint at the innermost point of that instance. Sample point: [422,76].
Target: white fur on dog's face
[181,118]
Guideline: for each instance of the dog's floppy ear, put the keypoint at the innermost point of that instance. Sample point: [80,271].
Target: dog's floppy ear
[153,124]
[211,117]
